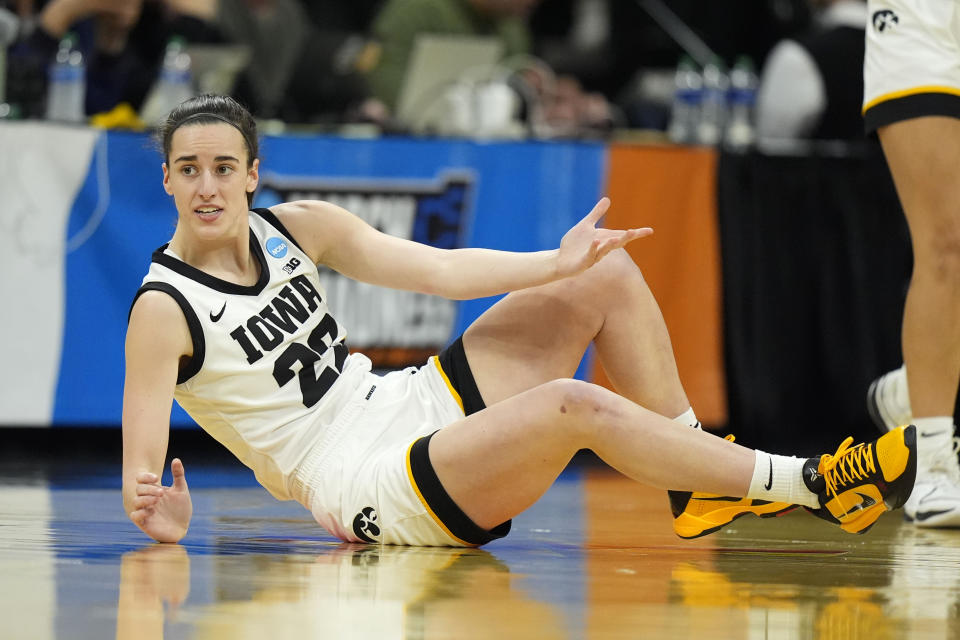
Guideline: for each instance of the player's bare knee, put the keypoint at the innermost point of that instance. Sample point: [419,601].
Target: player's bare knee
[942,257]
[615,267]
[621,260]
[579,405]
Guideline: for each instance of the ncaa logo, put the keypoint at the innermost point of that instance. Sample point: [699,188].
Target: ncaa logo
[884,19]
[277,247]
[365,525]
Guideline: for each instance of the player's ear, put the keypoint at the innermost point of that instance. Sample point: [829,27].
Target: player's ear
[253,175]
[166,179]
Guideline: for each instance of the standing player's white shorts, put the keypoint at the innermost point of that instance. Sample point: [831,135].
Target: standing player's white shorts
[912,62]
[369,479]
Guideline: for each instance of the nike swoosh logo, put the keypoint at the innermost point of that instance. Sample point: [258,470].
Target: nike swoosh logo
[216,318]
[770,479]
[931,435]
[926,515]
[717,498]
[865,503]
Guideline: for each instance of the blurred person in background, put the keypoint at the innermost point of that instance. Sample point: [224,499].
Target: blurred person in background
[624,51]
[812,84]
[399,22]
[303,66]
[275,31]
[329,82]
[9,23]
[122,41]
[308,56]
[561,101]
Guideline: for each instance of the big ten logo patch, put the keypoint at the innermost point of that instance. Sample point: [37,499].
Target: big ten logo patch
[394,328]
[291,266]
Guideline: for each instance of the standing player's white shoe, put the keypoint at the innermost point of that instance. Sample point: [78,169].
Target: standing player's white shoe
[935,500]
[888,400]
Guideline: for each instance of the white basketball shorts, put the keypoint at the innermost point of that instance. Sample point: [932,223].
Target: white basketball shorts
[370,478]
[912,62]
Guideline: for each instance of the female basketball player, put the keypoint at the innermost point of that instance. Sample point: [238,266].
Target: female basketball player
[231,321]
[912,100]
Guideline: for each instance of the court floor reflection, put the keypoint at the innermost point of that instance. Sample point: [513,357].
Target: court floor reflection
[347,591]
[595,559]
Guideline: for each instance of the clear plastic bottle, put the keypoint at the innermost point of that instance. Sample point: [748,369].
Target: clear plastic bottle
[687,98]
[66,87]
[3,73]
[173,86]
[740,131]
[713,111]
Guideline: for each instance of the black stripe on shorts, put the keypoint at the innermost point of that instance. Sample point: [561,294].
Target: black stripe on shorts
[442,505]
[909,107]
[453,361]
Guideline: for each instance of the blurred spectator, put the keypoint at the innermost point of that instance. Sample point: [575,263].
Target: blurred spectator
[329,82]
[617,47]
[123,41]
[9,25]
[562,105]
[307,55]
[304,63]
[575,37]
[399,22]
[275,31]
[812,85]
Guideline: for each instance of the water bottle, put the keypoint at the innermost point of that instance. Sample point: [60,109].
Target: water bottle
[687,96]
[173,86]
[66,86]
[3,73]
[743,95]
[713,110]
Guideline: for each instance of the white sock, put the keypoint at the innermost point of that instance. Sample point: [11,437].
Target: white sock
[934,434]
[934,427]
[780,479]
[688,418]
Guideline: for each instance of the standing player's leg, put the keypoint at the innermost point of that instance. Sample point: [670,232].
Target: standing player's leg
[924,158]
[912,99]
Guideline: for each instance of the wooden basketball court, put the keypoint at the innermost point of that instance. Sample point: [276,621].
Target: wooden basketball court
[596,558]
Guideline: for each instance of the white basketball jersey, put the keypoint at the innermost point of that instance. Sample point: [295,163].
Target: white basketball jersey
[270,368]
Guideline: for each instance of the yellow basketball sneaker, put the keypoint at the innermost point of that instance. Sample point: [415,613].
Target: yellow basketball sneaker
[705,513]
[857,484]
[697,514]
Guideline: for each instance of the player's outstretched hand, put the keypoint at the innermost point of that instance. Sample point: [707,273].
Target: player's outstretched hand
[584,245]
[163,512]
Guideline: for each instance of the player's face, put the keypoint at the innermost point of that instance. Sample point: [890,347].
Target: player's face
[208,176]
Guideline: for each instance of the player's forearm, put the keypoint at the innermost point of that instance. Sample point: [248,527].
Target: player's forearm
[465,274]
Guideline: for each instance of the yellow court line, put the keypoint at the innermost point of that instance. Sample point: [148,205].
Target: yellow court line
[911,92]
